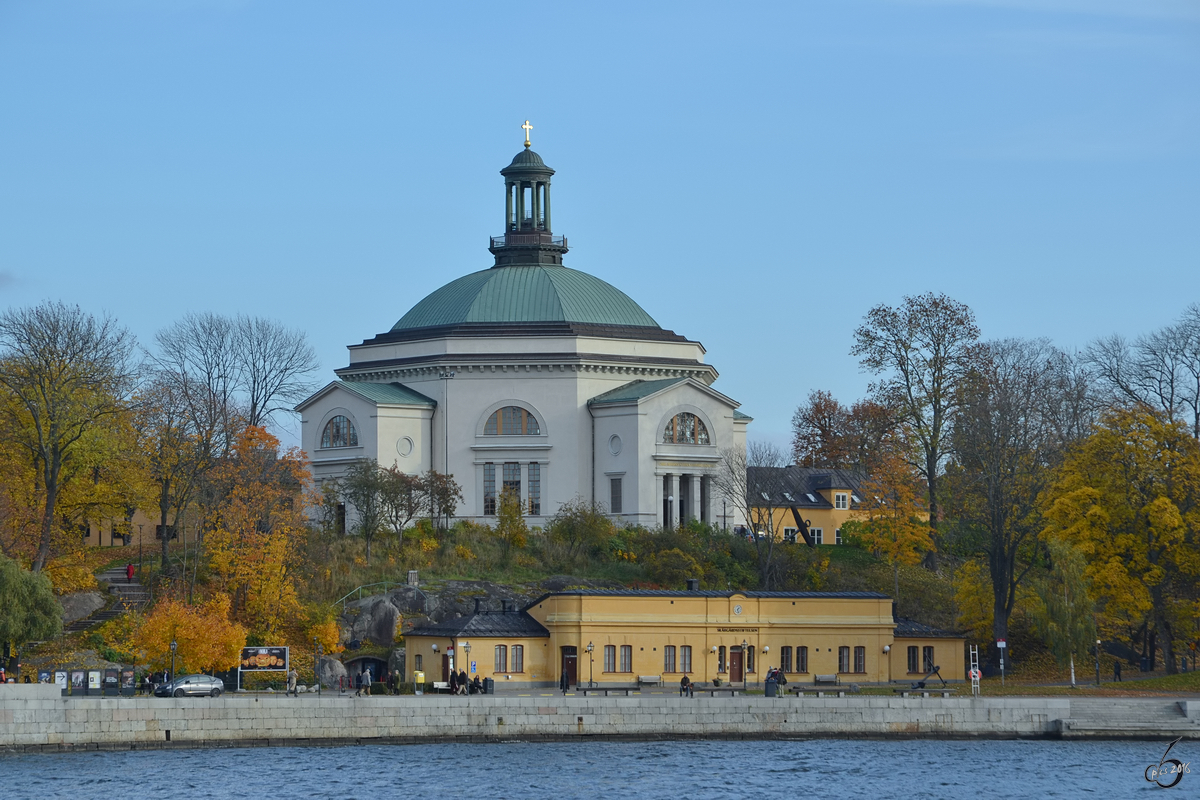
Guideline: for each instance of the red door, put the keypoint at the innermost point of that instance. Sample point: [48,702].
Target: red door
[735,665]
[570,665]
[445,668]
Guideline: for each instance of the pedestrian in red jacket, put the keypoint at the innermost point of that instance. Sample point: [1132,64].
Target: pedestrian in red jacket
[129,573]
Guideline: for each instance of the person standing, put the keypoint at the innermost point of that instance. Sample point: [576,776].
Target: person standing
[291,682]
[367,681]
[562,682]
[1116,669]
[129,573]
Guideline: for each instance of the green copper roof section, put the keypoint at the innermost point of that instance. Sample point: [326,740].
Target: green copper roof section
[633,391]
[387,393]
[521,294]
[739,415]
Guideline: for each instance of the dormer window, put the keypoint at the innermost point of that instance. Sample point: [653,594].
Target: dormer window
[512,421]
[685,428]
[339,432]
[841,500]
[788,496]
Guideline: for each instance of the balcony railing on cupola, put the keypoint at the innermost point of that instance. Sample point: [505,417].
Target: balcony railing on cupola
[528,240]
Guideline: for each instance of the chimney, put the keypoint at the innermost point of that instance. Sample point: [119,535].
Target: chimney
[478,604]
[503,606]
[693,584]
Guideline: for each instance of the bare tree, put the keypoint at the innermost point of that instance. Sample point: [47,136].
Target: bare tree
[199,355]
[752,480]
[67,372]
[923,349]
[274,363]
[1008,441]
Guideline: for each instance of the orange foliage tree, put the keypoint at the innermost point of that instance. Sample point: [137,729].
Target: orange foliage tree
[256,528]
[207,639]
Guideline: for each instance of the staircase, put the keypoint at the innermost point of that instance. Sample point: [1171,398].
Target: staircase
[1119,716]
[129,596]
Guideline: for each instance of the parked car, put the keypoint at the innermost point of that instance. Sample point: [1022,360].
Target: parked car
[191,684]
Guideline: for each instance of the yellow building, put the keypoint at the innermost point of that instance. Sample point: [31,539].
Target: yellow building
[629,637]
[825,498]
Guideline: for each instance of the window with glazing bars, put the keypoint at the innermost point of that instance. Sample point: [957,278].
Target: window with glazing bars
[518,658]
[501,658]
[750,660]
[721,658]
[913,658]
[785,658]
[535,488]
[669,658]
[843,659]
[685,658]
[614,495]
[610,658]
[489,489]
[512,478]
[802,658]
[626,658]
[860,659]
[511,421]
[927,659]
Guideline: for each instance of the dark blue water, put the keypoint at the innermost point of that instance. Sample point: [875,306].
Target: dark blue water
[716,769]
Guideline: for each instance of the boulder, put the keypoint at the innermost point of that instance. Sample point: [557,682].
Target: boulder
[80,604]
[329,670]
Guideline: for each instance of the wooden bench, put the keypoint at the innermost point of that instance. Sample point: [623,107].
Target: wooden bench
[827,680]
[716,691]
[606,692]
[802,692]
[649,680]
[441,686]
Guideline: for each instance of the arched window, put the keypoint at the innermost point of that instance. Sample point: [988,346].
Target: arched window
[685,428]
[512,421]
[339,432]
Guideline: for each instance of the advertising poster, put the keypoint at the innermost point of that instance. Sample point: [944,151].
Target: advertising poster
[264,659]
[77,679]
[111,680]
[60,679]
[127,678]
[93,680]
[43,676]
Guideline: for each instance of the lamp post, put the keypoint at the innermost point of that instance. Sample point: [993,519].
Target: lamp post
[1097,662]
[466,646]
[316,667]
[670,511]
[173,647]
[745,665]
[591,666]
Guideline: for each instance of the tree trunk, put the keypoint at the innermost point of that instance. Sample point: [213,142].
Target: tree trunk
[43,554]
[931,559]
[999,631]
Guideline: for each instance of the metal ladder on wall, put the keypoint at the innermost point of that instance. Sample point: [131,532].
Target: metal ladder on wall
[974,673]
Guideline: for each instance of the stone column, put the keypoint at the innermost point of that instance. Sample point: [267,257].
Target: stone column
[673,491]
[547,190]
[706,499]
[694,500]
[508,206]
[537,204]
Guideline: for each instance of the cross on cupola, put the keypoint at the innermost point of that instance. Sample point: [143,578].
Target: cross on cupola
[528,239]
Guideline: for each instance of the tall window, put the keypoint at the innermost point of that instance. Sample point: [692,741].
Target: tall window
[626,658]
[721,658]
[614,495]
[785,659]
[501,658]
[489,489]
[913,658]
[685,658]
[669,658]
[512,421]
[927,658]
[802,658]
[750,659]
[816,534]
[339,432]
[512,477]
[843,659]
[837,536]
[535,488]
[417,663]
[860,659]
[841,501]
[685,428]
[610,658]
[518,658]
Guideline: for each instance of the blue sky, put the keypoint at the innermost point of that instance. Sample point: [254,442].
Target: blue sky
[756,175]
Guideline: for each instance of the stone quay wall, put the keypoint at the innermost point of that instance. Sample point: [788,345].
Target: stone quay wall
[36,718]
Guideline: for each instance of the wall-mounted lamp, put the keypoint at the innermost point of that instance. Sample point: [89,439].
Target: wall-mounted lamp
[767,649]
[714,649]
[887,648]
[435,648]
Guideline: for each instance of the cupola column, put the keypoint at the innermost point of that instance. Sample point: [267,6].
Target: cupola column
[508,206]
[546,189]
[537,204]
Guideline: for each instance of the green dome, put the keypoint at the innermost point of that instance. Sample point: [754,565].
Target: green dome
[524,294]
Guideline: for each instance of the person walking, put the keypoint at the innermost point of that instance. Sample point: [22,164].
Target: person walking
[562,682]
[1116,669]
[463,683]
[292,677]
[129,573]
[367,681]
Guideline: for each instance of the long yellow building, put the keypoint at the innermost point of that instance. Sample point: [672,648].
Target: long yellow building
[611,638]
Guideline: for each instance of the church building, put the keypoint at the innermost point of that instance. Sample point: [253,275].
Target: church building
[537,377]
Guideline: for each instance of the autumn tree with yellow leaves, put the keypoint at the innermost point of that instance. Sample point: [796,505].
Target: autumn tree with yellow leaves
[207,639]
[1129,499]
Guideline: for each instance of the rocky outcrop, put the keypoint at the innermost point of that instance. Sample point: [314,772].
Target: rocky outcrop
[79,605]
[329,670]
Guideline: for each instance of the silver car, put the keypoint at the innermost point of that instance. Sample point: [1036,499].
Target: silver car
[192,684]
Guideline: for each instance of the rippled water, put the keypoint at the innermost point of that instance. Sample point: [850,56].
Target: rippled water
[685,769]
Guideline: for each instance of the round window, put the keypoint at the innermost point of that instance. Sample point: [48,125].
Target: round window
[614,444]
[404,446]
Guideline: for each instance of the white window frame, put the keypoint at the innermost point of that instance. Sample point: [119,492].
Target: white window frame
[841,501]
[817,535]
[790,534]
[837,536]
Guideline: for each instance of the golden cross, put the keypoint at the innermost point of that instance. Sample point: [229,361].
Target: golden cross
[527,128]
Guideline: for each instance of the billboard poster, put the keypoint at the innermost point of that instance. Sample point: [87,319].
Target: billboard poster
[60,679]
[264,659]
[78,677]
[127,678]
[111,678]
[43,676]
[93,679]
